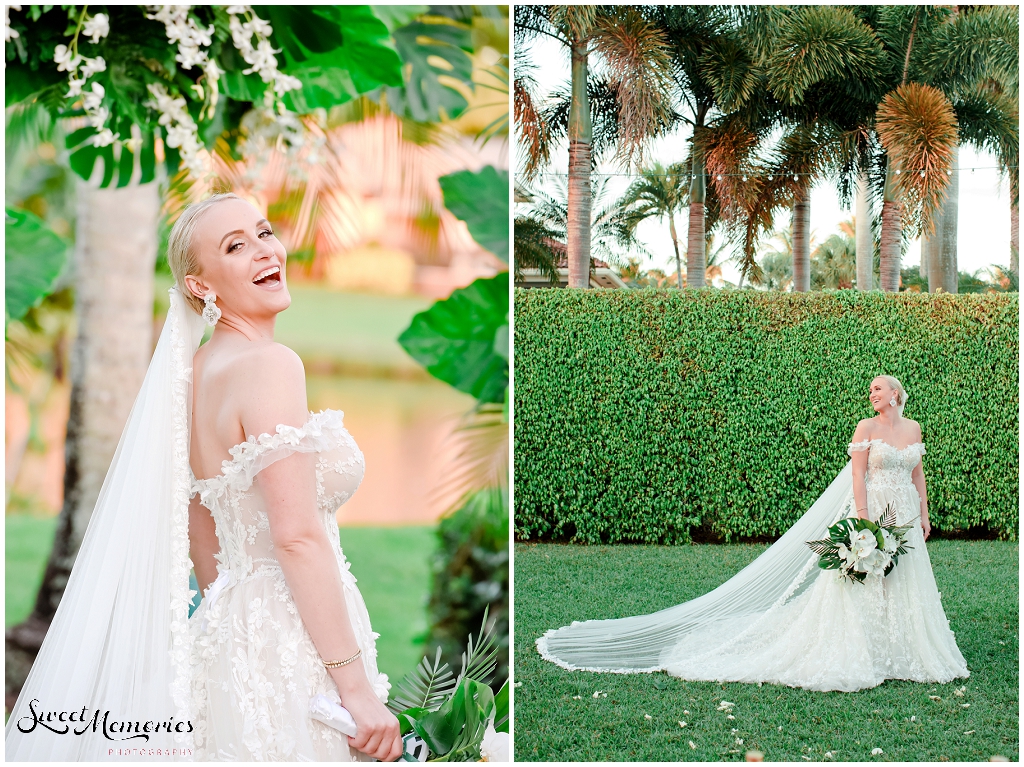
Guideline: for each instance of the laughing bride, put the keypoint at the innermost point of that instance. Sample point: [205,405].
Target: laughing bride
[222,468]
[783,620]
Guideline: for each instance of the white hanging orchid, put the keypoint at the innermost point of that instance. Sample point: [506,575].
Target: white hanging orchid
[96,27]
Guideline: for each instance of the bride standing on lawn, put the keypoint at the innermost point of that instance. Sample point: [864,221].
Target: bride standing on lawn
[782,619]
[124,671]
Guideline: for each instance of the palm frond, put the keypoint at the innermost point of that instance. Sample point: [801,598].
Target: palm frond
[481,657]
[888,517]
[426,686]
[532,129]
[823,548]
[636,55]
[480,459]
[918,128]
[821,43]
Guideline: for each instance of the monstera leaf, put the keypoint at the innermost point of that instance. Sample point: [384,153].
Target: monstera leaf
[34,258]
[481,200]
[432,51]
[463,340]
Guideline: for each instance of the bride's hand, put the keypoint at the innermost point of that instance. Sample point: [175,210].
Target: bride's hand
[377,731]
[926,526]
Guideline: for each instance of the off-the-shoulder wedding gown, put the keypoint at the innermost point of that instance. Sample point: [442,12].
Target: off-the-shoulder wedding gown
[254,665]
[783,620]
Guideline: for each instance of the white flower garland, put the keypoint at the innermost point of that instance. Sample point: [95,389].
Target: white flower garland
[193,41]
[9,34]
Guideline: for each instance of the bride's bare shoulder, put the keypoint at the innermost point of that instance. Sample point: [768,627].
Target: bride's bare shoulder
[864,430]
[271,387]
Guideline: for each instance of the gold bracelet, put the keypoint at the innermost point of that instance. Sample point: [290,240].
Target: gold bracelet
[340,663]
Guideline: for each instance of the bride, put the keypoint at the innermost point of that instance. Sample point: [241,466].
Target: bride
[782,619]
[220,468]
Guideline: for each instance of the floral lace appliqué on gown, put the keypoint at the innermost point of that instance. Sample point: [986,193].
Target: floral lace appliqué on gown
[831,634]
[255,667]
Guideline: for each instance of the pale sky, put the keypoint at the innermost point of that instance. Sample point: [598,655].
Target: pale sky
[984,216]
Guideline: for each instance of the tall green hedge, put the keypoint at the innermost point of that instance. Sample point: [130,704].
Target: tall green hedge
[662,416]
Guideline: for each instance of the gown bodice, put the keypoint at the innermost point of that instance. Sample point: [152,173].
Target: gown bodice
[236,500]
[889,466]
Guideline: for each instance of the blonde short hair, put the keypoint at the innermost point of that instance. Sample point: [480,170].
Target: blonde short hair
[181,253]
[901,393]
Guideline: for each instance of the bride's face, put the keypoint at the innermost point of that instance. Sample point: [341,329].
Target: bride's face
[242,262]
[880,393]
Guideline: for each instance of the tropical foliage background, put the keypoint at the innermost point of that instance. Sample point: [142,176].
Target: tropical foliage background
[726,117]
[376,140]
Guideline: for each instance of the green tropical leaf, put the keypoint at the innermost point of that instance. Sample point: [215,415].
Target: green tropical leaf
[481,200]
[424,687]
[501,709]
[338,52]
[33,260]
[481,657]
[455,339]
[425,97]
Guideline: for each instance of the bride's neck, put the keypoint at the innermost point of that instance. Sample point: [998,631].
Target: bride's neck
[251,330]
[890,419]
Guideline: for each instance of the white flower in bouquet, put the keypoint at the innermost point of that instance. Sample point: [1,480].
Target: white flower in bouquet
[494,747]
[873,563]
[890,542]
[863,542]
[844,553]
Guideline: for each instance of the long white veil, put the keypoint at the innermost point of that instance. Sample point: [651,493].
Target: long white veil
[113,671]
[643,643]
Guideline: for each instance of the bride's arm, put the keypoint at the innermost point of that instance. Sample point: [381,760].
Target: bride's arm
[304,551]
[917,477]
[860,470]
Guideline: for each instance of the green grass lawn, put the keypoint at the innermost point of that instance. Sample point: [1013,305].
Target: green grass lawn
[390,563]
[558,584]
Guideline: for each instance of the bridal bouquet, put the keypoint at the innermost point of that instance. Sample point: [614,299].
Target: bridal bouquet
[455,719]
[857,547]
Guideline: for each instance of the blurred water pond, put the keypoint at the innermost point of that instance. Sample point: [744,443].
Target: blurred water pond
[402,427]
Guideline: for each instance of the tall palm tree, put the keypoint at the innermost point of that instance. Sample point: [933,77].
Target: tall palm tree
[713,74]
[659,193]
[635,55]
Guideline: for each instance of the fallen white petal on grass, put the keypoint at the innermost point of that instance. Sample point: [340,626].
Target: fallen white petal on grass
[828,754]
[730,716]
[682,723]
[685,712]
[969,732]
[876,752]
[960,693]
[576,697]
[965,705]
[723,705]
[692,744]
[600,694]
[739,741]
[913,719]
[935,697]
[780,728]
[648,717]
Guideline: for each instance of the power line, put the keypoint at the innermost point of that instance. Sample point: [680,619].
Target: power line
[747,176]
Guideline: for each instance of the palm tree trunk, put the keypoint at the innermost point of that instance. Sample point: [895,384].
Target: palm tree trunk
[675,246]
[864,247]
[931,245]
[892,231]
[801,233]
[580,135]
[1014,239]
[696,255]
[115,252]
[942,269]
